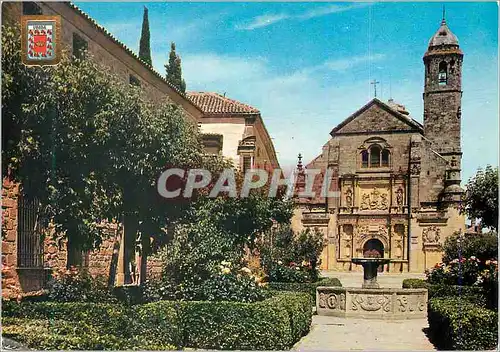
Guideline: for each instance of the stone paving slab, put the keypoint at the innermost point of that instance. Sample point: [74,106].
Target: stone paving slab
[341,334]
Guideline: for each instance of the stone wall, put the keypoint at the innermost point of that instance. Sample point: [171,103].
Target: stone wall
[10,280]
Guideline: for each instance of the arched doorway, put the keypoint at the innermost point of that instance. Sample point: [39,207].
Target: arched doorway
[373,248]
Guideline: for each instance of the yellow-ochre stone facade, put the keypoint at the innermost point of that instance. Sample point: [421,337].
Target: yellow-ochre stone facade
[398,181]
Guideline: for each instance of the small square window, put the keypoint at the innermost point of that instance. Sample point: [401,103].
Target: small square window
[134,81]
[31,8]
[80,46]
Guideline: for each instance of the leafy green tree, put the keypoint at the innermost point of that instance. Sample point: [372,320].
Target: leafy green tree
[483,246]
[144,44]
[481,199]
[174,70]
[216,230]
[90,147]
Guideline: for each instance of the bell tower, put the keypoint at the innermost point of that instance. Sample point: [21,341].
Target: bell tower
[443,91]
[442,103]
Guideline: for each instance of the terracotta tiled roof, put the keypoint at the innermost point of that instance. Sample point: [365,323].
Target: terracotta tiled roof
[214,103]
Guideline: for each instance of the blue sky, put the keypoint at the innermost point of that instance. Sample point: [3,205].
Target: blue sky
[307,66]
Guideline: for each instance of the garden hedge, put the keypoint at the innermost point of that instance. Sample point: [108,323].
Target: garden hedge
[459,325]
[305,287]
[275,323]
[44,334]
[473,294]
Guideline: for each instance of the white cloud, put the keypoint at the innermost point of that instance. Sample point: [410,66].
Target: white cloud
[347,63]
[269,19]
[263,21]
[327,10]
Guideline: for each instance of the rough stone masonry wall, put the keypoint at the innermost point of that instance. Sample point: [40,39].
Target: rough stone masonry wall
[10,281]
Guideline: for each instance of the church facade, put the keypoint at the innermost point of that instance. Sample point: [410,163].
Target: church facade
[397,180]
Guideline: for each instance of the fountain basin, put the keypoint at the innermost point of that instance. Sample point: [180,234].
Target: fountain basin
[367,303]
[370,266]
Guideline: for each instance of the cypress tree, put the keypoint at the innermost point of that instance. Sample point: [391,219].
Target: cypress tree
[144,45]
[174,70]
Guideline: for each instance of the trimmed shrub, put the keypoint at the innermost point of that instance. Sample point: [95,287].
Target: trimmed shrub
[299,310]
[415,283]
[275,323]
[473,294]
[227,325]
[309,288]
[159,321]
[460,325]
[110,318]
[66,335]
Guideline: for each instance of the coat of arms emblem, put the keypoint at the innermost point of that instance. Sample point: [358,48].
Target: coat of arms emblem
[40,37]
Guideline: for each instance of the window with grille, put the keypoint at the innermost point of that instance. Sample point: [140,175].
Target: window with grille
[247,163]
[31,8]
[80,46]
[30,225]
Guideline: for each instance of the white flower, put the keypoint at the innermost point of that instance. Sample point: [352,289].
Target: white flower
[226,270]
[246,270]
[280,262]
[297,268]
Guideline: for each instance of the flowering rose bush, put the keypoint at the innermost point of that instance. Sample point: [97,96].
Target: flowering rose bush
[292,257]
[457,272]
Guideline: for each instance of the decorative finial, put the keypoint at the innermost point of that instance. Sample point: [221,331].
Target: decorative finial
[375,82]
[299,163]
[443,21]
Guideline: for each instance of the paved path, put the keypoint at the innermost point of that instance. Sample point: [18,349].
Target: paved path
[344,334]
[341,334]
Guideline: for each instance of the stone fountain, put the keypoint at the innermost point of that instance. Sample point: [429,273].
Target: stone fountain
[370,270]
[370,301]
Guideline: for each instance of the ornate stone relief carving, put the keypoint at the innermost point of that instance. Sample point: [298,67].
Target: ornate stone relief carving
[399,196]
[453,161]
[375,200]
[332,301]
[371,303]
[348,197]
[415,155]
[410,303]
[415,169]
[431,235]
